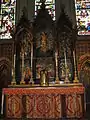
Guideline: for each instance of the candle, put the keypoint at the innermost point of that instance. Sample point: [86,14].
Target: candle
[22,80]
[14,60]
[31,60]
[12,71]
[65,58]
[56,58]
[31,55]
[74,57]
[2,103]
[44,81]
[22,63]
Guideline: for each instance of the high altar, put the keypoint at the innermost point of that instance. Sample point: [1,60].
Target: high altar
[44,73]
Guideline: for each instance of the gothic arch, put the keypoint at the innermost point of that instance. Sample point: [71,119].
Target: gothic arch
[5,72]
[82,60]
[84,68]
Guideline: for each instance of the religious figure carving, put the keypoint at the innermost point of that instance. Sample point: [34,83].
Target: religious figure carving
[27,75]
[43,42]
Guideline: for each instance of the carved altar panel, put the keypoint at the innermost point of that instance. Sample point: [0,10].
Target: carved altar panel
[45,102]
[74,105]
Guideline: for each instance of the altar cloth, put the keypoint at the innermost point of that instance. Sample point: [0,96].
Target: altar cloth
[44,102]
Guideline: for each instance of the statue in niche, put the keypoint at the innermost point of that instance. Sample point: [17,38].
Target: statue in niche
[27,75]
[43,42]
[38,69]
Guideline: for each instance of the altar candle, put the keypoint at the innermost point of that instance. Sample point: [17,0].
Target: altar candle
[74,57]
[2,103]
[22,61]
[14,60]
[31,54]
[56,58]
[65,58]
[22,66]
[12,71]
[31,59]
[44,78]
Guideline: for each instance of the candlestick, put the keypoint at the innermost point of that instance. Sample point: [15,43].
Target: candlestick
[65,58]
[57,81]
[13,71]
[66,69]
[13,77]
[75,71]
[74,59]
[14,60]
[31,80]
[56,58]
[44,78]
[2,103]
[22,79]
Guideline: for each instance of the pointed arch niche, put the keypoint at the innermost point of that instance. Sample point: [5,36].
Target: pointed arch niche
[84,69]
[50,6]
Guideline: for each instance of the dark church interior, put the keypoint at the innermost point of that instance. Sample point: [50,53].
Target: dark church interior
[44,60]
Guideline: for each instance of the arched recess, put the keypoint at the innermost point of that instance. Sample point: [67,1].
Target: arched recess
[5,72]
[84,69]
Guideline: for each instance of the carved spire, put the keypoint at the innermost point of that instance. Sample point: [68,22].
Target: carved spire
[43,19]
[23,31]
[64,19]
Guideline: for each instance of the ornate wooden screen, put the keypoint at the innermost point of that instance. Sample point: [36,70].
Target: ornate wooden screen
[22,48]
[65,45]
[44,43]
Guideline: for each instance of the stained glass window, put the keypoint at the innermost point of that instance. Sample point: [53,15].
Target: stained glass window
[7,18]
[83,16]
[50,5]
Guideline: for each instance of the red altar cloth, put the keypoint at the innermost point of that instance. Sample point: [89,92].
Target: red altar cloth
[44,102]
